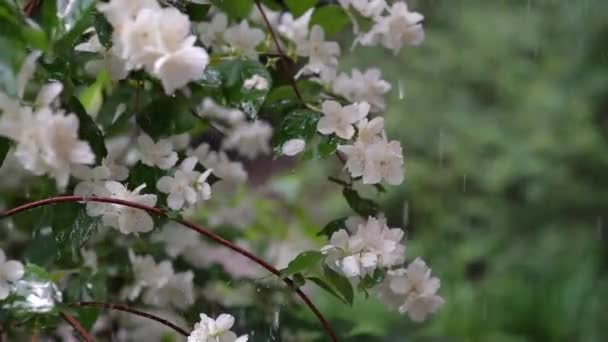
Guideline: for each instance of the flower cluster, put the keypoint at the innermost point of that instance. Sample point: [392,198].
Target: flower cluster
[156,39]
[212,330]
[366,247]
[159,283]
[46,137]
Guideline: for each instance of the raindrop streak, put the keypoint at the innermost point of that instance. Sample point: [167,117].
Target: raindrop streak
[464,183]
[599,223]
[441,148]
[400,89]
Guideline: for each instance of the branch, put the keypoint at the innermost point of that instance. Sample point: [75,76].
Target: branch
[282,55]
[203,231]
[77,326]
[125,308]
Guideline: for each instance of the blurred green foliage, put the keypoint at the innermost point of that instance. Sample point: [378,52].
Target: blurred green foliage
[503,112]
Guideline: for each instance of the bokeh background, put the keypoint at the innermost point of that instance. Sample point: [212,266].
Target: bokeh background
[503,113]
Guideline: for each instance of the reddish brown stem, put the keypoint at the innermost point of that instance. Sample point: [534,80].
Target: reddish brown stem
[125,308]
[203,231]
[77,326]
[282,55]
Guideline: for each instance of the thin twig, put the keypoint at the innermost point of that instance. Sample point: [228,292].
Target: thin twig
[125,308]
[282,55]
[203,231]
[77,326]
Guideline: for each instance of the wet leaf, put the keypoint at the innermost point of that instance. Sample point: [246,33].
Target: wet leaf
[301,123]
[333,227]
[362,206]
[87,129]
[235,9]
[5,145]
[341,284]
[323,285]
[165,117]
[299,7]
[303,262]
[331,18]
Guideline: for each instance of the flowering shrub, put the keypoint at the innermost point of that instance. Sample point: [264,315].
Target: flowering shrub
[107,108]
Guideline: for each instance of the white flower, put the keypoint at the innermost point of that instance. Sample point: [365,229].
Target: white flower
[10,271]
[159,283]
[250,138]
[158,40]
[295,30]
[229,171]
[244,38]
[177,68]
[126,219]
[209,109]
[367,8]
[413,290]
[373,245]
[121,12]
[373,157]
[293,146]
[110,59]
[322,54]
[256,82]
[210,33]
[340,120]
[47,142]
[399,27]
[158,154]
[180,142]
[367,86]
[178,240]
[215,330]
[384,161]
[187,187]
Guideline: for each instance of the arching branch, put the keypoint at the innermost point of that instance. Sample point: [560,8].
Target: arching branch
[77,326]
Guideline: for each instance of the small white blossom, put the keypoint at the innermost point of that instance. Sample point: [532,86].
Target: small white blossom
[250,138]
[209,109]
[10,271]
[256,82]
[339,120]
[47,142]
[322,54]
[244,38]
[121,12]
[229,171]
[367,86]
[384,161]
[126,219]
[158,154]
[273,16]
[293,146]
[295,30]
[110,59]
[178,240]
[177,68]
[186,187]
[367,8]
[372,245]
[159,283]
[211,33]
[399,27]
[215,330]
[412,291]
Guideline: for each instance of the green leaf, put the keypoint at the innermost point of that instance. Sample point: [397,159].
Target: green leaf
[197,12]
[165,117]
[327,146]
[104,30]
[144,174]
[235,9]
[88,130]
[72,229]
[303,262]
[77,20]
[362,206]
[47,17]
[341,284]
[333,227]
[331,18]
[301,123]
[371,280]
[233,74]
[323,285]
[283,99]
[42,249]
[87,287]
[5,145]
[299,7]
